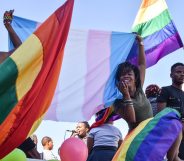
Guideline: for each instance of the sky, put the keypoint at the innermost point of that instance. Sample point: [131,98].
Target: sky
[109,15]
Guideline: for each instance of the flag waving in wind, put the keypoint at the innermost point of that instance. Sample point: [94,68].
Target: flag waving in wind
[151,139]
[90,59]
[154,24]
[86,81]
[29,78]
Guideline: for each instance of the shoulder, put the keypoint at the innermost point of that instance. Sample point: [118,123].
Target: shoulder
[27,145]
[167,89]
[46,151]
[116,131]
[93,131]
[112,127]
[165,93]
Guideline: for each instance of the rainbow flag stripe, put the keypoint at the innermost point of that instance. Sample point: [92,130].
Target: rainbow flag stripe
[152,138]
[153,22]
[29,78]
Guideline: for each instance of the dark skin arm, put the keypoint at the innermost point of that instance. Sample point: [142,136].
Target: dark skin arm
[13,36]
[141,59]
[127,112]
[8,16]
[161,106]
[119,143]
[90,143]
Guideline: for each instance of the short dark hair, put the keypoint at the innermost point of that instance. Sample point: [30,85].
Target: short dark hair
[176,65]
[45,140]
[86,124]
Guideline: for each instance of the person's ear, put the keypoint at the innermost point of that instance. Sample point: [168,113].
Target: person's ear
[87,130]
[171,75]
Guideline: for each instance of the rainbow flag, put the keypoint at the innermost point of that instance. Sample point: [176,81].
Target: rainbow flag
[29,78]
[153,22]
[152,138]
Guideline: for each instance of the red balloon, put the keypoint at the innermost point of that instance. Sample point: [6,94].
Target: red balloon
[73,149]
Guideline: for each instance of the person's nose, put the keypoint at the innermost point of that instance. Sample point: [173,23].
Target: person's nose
[124,77]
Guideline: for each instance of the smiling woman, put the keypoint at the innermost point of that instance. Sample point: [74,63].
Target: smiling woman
[134,107]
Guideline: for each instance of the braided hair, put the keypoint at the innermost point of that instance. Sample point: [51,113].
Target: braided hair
[152,90]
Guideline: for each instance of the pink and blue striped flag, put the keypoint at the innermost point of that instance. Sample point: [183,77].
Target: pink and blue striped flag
[86,82]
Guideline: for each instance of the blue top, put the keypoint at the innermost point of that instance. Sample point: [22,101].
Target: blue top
[105,135]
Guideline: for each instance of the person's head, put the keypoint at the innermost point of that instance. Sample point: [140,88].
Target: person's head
[152,90]
[128,73]
[177,73]
[47,143]
[34,138]
[82,129]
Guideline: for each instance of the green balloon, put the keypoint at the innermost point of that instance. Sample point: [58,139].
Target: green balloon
[15,155]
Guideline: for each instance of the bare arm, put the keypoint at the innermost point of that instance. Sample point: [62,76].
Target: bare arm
[90,143]
[13,36]
[141,59]
[8,16]
[4,55]
[119,143]
[161,106]
[125,107]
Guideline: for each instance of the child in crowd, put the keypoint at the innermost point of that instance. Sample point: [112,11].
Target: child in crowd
[47,144]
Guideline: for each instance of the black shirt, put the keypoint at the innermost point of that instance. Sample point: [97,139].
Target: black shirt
[173,97]
[27,145]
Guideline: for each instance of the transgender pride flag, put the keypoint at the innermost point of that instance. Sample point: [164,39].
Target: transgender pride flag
[86,82]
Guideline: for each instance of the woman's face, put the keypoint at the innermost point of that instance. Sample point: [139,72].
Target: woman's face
[128,77]
[81,130]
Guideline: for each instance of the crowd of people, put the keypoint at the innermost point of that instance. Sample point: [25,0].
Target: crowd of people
[135,106]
